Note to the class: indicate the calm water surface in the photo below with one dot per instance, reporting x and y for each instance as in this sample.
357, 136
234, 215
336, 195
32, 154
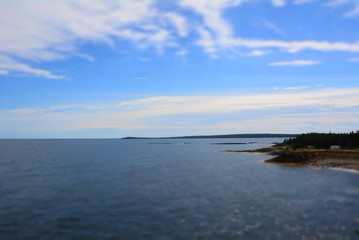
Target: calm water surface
167, 189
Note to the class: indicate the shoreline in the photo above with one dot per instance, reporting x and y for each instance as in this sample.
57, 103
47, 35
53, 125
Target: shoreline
316, 158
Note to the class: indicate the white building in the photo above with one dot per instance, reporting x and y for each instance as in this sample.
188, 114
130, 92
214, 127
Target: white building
335, 147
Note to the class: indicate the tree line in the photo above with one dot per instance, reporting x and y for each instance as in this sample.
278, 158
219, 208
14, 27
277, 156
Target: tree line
325, 140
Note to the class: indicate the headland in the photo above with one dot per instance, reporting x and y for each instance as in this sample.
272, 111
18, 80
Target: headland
317, 158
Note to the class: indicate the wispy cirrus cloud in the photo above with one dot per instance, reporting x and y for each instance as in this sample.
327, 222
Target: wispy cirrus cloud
342, 121
216, 34
179, 22
279, 3
354, 12
353, 4
64, 23
258, 53
190, 111
297, 46
295, 63
293, 88
68, 24
215, 31
10, 65
41, 31
274, 27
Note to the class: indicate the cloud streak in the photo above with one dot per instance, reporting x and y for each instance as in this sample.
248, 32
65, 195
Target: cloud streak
174, 112
39, 31
9, 65
354, 4
279, 3
216, 35
295, 63
296, 46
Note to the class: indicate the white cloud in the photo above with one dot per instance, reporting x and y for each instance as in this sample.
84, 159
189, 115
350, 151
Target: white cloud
283, 123
354, 4
179, 22
294, 88
274, 28
354, 12
37, 31
204, 6
155, 112
295, 63
296, 46
258, 53
64, 22
336, 3
207, 42
279, 3
3, 72
216, 34
219, 31
9, 65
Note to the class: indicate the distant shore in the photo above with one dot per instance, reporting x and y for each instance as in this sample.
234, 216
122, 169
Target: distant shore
251, 135
317, 158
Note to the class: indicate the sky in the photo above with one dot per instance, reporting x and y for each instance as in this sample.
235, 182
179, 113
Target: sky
151, 68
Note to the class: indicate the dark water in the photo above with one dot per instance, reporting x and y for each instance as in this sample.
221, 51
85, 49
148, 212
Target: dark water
167, 189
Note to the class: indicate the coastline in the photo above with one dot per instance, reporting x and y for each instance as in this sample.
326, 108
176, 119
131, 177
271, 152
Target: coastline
316, 158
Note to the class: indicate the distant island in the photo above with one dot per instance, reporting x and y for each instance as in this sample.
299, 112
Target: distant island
259, 135
320, 150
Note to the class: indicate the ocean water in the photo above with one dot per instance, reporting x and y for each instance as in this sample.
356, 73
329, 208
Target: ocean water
168, 189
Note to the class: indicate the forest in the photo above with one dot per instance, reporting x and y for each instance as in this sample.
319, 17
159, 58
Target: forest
325, 140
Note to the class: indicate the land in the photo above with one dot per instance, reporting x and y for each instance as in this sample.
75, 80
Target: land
260, 135
309, 149
317, 158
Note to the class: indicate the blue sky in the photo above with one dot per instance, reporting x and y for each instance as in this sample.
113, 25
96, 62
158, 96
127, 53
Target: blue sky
91, 68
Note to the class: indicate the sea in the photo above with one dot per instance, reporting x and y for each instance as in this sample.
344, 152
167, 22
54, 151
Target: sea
168, 189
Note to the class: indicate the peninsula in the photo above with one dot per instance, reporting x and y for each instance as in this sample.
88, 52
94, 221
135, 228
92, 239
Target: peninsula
319, 150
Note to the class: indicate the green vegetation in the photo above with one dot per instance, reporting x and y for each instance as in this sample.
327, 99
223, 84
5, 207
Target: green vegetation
325, 140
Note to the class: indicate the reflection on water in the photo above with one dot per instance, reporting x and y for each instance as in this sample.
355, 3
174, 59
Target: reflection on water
176, 189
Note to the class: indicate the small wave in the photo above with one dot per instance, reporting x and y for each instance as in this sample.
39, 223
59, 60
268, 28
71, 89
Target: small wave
344, 170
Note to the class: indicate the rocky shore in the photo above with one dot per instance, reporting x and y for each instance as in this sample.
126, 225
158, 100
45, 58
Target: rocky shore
318, 158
